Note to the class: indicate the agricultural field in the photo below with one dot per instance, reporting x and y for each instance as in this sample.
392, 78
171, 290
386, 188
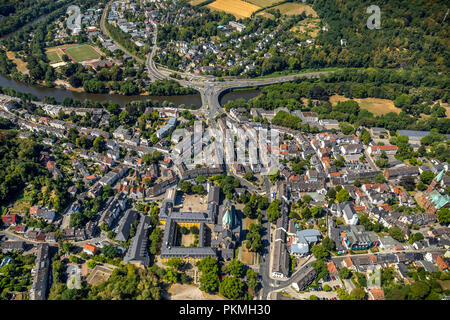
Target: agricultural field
196, 2
238, 8
82, 53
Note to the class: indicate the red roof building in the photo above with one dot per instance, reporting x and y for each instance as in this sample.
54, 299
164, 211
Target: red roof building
9, 219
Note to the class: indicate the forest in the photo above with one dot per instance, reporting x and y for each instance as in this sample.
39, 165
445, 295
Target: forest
19, 165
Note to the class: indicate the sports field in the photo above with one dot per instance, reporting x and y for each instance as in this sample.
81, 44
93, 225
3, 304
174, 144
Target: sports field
238, 8
81, 53
54, 57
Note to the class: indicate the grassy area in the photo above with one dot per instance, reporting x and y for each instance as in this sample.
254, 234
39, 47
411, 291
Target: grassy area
295, 9
289, 72
53, 57
238, 8
307, 29
20, 64
264, 3
374, 105
82, 53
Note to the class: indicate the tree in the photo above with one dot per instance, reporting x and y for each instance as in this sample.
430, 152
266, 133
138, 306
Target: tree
74, 259
155, 238
408, 183
331, 194
316, 211
91, 264
209, 280
110, 251
419, 290
252, 279
194, 230
327, 288
273, 212
346, 128
235, 268
397, 234
402, 101
171, 276
362, 280
99, 144
319, 252
175, 263
328, 244
379, 178
344, 273
343, 195
426, 177
231, 287
444, 215
358, 294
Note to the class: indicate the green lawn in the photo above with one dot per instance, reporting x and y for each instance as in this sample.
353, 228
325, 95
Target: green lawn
82, 53
53, 57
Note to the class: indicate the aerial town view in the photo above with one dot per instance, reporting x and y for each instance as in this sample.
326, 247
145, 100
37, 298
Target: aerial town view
224, 150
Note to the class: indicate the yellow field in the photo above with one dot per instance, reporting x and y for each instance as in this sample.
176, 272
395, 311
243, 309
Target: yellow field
196, 2
295, 9
238, 8
376, 106
266, 15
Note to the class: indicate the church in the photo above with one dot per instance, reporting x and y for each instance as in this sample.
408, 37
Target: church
432, 199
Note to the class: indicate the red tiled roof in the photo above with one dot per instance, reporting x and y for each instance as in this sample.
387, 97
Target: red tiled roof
89, 247
335, 174
376, 293
384, 148
10, 218
348, 261
331, 267
34, 209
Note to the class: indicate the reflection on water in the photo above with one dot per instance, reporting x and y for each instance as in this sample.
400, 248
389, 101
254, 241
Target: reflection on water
59, 94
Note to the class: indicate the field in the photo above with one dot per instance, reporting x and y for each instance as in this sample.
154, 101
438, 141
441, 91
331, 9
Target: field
376, 106
99, 275
20, 64
196, 2
238, 8
54, 57
307, 29
81, 53
295, 9
264, 3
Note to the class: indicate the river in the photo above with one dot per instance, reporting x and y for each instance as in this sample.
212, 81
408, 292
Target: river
59, 94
